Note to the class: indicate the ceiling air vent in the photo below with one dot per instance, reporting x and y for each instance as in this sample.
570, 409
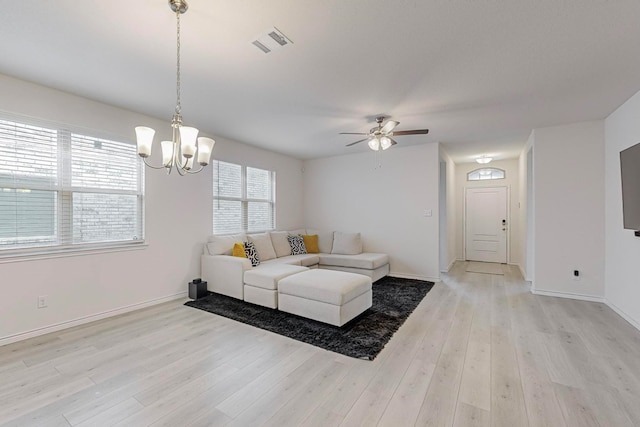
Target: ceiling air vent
272, 39
260, 46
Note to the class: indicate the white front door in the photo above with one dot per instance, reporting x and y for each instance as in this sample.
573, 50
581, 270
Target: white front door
486, 224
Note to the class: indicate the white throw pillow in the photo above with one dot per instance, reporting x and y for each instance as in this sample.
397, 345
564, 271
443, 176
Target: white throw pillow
346, 243
280, 243
325, 240
263, 245
222, 245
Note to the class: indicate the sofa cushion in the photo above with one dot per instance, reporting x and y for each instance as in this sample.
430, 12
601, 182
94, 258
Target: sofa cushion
366, 261
252, 254
238, 250
262, 242
297, 245
306, 260
328, 286
280, 243
346, 243
311, 243
223, 245
267, 276
325, 240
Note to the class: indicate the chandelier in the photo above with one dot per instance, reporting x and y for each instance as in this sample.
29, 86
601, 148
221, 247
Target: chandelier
180, 152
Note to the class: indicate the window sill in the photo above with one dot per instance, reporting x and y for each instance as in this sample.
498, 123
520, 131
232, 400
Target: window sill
48, 253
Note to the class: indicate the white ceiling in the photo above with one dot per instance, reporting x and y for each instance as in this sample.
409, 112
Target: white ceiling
479, 74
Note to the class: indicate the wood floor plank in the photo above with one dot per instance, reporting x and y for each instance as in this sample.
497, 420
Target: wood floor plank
475, 386
507, 400
471, 416
440, 401
575, 407
405, 402
540, 400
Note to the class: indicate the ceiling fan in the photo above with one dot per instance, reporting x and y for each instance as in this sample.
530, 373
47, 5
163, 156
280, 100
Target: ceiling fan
380, 137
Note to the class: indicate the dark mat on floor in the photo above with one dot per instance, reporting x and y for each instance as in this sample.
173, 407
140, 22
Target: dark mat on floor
394, 299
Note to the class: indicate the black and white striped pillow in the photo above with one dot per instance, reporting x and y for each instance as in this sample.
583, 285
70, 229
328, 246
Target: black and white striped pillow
297, 245
252, 254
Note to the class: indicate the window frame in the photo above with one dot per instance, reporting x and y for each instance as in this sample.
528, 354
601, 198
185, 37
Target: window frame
490, 175
244, 199
61, 242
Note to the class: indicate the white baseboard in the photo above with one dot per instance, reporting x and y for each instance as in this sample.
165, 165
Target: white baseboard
581, 297
414, 276
87, 319
622, 314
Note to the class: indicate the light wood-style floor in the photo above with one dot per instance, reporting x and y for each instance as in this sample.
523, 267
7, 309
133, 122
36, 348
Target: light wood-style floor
479, 350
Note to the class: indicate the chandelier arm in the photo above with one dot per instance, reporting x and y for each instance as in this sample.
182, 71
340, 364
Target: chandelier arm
192, 172
151, 166
181, 170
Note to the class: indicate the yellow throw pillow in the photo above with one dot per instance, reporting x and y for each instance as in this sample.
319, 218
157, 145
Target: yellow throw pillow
311, 243
238, 250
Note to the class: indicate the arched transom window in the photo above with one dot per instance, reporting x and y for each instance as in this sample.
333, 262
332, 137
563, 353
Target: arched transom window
485, 173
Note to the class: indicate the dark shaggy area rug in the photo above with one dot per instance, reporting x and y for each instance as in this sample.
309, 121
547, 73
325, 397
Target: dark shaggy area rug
394, 299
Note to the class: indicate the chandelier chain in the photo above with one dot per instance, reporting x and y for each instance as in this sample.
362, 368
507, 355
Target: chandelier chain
178, 105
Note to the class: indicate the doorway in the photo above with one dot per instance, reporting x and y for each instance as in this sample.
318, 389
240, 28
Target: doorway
486, 224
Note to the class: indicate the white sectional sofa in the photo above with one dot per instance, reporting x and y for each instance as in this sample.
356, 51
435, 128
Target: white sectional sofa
225, 274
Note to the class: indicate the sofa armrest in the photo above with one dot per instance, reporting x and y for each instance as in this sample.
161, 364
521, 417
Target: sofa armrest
225, 274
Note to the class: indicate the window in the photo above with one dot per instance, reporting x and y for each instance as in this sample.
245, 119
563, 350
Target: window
63, 190
485, 173
243, 198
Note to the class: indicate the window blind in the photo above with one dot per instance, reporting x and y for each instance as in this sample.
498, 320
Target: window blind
60, 189
243, 198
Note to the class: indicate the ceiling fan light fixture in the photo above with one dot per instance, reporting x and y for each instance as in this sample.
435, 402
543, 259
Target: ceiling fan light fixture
385, 142
374, 144
483, 160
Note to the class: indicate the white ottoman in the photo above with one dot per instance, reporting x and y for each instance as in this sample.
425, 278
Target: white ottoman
261, 284
329, 296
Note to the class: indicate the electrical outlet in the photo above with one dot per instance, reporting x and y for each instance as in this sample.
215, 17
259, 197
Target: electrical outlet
576, 274
42, 301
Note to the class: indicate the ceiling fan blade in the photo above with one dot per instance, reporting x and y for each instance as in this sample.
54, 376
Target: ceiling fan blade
354, 143
393, 141
389, 126
411, 132
354, 133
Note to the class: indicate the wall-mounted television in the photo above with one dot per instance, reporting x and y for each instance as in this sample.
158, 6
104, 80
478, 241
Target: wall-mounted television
630, 170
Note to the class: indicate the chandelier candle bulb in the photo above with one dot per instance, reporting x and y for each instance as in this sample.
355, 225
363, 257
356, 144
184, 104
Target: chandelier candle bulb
167, 152
144, 136
205, 147
188, 138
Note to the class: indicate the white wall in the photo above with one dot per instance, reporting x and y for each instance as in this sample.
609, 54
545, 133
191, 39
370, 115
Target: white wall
386, 205
524, 243
452, 232
511, 181
569, 210
622, 248
178, 220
